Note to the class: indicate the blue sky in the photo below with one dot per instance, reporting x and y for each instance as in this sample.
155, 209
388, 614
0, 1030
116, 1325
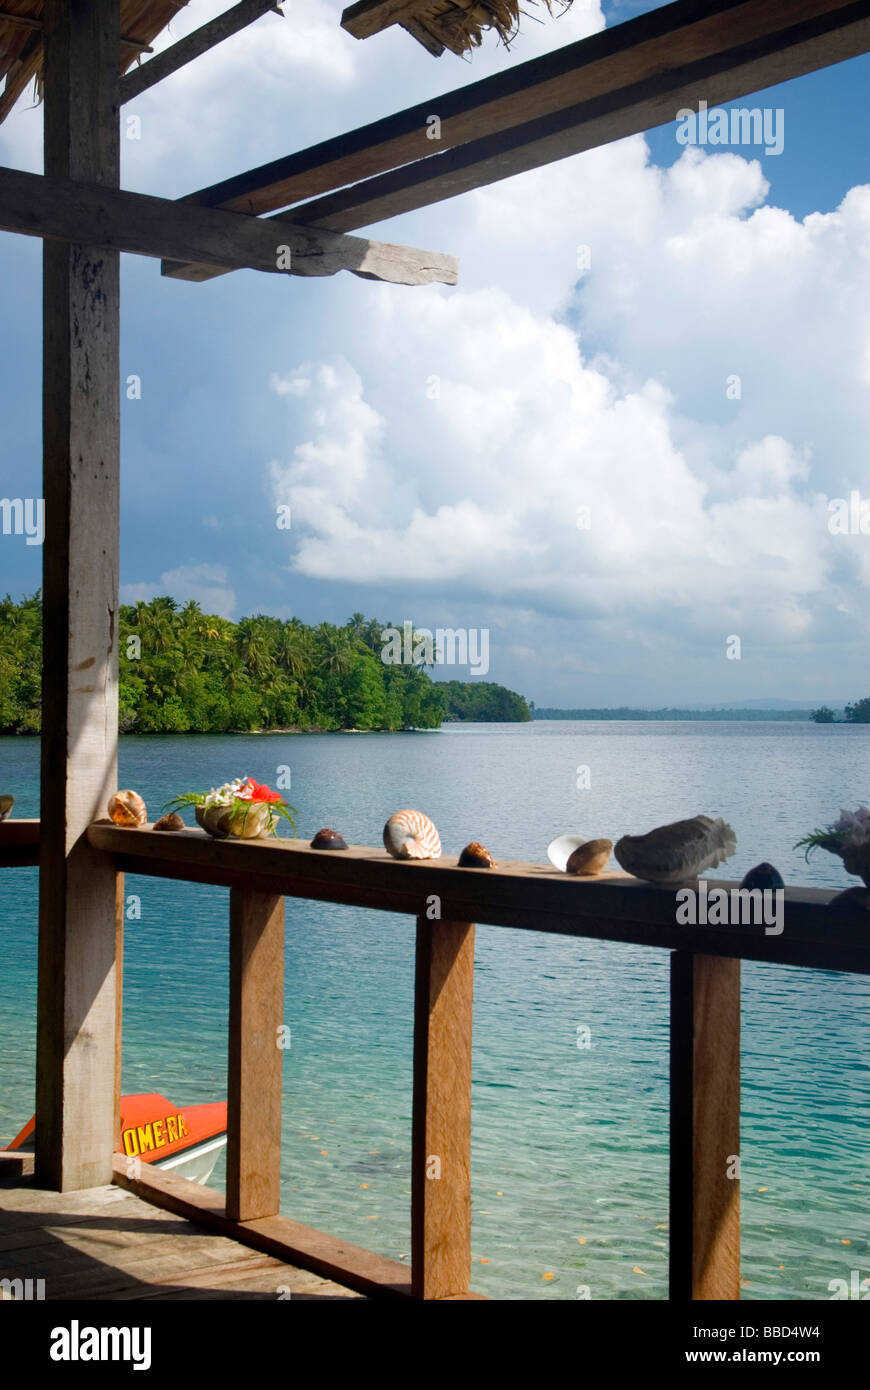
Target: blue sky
560, 386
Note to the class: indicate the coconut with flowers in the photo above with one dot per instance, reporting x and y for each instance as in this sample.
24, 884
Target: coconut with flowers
242, 809
849, 837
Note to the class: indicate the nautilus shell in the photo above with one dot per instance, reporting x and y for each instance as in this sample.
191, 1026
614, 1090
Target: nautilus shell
127, 809
328, 839
678, 852
476, 856
589, 859
171, 822
411, 835
6, 804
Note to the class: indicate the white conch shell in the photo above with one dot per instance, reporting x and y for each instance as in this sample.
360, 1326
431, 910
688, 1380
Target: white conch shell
411, 835
559, 851
677, 852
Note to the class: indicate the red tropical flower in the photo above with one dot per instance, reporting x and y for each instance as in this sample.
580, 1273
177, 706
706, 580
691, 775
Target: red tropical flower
254, 792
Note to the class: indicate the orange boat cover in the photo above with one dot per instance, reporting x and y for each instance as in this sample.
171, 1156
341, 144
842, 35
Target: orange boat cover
152, 1128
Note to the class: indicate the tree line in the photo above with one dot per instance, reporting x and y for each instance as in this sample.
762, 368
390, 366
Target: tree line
185, 671
859, 713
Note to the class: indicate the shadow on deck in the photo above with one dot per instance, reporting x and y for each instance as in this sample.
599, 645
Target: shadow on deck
105, 1243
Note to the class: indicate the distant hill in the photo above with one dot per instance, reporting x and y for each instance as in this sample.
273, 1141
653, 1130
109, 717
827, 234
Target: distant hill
700, 715
766, 704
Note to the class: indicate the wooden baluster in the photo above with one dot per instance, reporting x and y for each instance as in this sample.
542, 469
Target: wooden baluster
255, 1057
705, 1127
441, 1146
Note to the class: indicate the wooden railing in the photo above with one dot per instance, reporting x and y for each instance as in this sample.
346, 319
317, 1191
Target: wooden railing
446, 901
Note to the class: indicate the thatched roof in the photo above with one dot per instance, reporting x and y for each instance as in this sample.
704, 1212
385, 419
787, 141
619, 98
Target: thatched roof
457, 25
460, 24
21, 39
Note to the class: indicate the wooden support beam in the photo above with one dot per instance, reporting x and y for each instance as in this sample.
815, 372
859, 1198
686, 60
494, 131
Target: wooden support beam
441, 1143
368, 17
255, 1058
19, 843
654, 101
24, 21
192, 46
58, 209
78, 902
621, 81
705, 1128
299, 1245
117, 1144
531, 897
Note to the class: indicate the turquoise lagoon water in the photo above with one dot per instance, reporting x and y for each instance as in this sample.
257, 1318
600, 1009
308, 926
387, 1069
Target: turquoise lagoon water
569, 1146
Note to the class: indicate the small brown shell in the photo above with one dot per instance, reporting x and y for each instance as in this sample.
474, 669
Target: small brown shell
476, 856
590, 858
170, 822
328, 839
127, 809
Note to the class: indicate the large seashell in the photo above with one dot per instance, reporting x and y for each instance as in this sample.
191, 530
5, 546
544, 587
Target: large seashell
590, 859
411, 835
6, 804
328, 839
677, 852
127, 809
559, 851
763, 876
476, 856
170, 822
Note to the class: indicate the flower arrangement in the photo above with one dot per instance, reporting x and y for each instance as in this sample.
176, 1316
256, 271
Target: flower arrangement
241, 808
849, 837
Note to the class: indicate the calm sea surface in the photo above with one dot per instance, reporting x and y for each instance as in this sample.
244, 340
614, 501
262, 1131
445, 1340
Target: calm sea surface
570, 1146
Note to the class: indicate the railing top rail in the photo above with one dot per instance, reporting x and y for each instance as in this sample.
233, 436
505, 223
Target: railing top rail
535, 897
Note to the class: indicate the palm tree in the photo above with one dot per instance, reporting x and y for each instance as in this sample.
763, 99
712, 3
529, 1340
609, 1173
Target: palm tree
255, 648
336, 652
294, 648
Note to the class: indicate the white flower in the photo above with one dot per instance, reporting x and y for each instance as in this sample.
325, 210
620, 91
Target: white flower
226, 794
853, 827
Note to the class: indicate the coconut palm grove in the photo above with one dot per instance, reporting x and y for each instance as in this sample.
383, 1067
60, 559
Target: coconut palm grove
186, 671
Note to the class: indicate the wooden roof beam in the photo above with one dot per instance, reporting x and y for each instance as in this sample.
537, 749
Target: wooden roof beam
608, 65
57, 209
192, 46
616, 83
368, 17
24, 21
727, 77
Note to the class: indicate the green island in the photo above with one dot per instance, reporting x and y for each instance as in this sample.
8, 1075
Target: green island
186, 671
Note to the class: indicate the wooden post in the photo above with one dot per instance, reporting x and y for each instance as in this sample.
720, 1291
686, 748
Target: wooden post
255, 1054
705, 1127
441, 1145
78, 917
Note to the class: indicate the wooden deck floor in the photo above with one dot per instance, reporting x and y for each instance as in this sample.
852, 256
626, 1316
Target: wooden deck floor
105, 1243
